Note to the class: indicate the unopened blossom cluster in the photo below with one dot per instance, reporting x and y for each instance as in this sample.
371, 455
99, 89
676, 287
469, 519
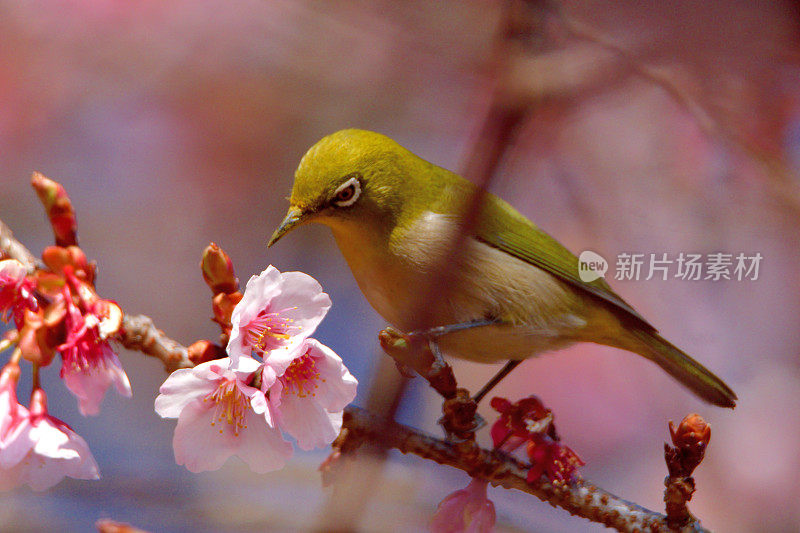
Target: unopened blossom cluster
54, 310
276, 380
528, 422
525, 422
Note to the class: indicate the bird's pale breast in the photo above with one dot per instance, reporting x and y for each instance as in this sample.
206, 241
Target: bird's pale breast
541, 312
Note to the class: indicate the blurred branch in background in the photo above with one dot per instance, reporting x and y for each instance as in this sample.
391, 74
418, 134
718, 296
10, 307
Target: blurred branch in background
782, 184
504, 116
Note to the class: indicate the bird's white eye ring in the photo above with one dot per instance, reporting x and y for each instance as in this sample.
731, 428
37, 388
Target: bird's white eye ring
347, 193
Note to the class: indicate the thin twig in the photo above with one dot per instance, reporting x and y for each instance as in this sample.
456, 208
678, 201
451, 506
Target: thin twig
13, 249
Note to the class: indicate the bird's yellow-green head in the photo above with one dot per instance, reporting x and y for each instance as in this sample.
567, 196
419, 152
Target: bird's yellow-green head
353, 177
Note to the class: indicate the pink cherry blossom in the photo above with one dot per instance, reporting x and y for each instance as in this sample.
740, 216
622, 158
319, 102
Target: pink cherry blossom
310, 392
219, 415
277, 310
468, 510
12, 414
16, 291
44, 451
89, 365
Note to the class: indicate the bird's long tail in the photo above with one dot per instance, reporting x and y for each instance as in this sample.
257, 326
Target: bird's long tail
683, 368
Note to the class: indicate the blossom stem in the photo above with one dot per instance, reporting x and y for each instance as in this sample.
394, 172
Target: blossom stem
6, 342
35, 377
16, 355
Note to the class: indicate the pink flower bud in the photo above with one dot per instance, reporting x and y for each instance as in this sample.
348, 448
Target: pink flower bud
465, 510
217, 270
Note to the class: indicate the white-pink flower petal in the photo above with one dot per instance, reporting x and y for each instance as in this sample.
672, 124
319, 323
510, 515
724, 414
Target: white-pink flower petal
182, 387
58, 452
337, 386
277, 310
14, 441
308, 422
220, 415
198, 444
89, 384
308, 398
468, 510
51, 451
264, 449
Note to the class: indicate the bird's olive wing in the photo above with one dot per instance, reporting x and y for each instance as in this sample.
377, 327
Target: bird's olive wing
517, 236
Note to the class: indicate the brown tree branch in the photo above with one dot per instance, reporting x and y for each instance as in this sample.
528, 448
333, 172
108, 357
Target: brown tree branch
580, 498
138, 333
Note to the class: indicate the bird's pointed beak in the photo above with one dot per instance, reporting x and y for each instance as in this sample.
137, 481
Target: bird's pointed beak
293, 218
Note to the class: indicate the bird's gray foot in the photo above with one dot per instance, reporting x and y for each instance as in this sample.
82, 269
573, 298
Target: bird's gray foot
506, 370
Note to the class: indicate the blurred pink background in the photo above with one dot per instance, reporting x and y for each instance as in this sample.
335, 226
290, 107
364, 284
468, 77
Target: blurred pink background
172, 124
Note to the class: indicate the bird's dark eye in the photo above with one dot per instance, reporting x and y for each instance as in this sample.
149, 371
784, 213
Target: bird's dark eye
347, 193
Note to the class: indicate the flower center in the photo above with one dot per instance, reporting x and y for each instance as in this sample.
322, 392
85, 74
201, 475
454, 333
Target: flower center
231, 405
302, 376
269, 330
84, 351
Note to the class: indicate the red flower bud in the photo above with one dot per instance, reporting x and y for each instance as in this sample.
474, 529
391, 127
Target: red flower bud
692, 432
59, 209
690, 440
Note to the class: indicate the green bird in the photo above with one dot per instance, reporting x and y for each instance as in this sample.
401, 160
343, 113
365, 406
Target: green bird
516, 291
